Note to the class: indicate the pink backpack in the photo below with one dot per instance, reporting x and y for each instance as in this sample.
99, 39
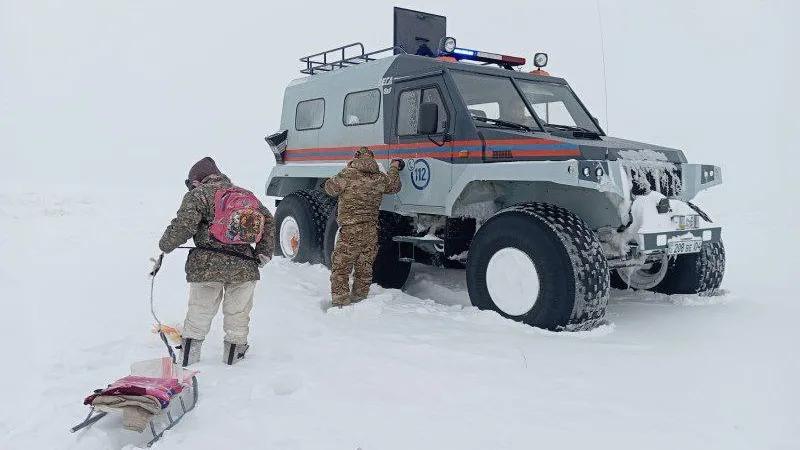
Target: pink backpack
237, 217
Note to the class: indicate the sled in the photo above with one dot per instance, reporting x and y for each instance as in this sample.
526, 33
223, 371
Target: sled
179, 404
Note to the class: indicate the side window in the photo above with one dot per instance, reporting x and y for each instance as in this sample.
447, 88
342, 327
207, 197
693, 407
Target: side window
361, 107
408, 110
431, 95
309, 114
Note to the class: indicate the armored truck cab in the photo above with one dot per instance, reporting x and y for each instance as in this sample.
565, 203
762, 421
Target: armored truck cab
507, 176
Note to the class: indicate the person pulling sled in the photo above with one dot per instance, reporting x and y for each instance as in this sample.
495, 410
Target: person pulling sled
224, 221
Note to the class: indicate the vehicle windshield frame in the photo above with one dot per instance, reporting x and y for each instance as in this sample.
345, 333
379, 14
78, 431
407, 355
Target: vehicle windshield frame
595, 126
536, 119
516, 79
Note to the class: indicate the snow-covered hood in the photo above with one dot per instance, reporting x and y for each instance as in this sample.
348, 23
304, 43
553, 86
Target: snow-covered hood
613, 149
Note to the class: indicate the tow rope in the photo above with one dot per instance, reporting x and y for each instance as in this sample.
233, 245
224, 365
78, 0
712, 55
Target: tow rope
156, 267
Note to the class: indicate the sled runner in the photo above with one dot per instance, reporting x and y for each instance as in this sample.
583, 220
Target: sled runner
160, 382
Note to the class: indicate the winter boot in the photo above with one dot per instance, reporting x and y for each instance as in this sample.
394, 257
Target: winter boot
190, 351
340, 300
355, 298
234, 353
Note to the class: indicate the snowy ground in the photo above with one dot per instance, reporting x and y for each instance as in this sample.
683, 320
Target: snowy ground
110, 96
420, 369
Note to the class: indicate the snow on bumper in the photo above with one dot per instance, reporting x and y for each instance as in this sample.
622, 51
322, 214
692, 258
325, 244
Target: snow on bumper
665, 229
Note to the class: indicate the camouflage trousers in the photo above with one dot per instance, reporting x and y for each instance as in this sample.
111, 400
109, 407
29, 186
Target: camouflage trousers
355, 252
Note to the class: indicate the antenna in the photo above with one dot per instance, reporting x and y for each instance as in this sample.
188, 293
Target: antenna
603, 57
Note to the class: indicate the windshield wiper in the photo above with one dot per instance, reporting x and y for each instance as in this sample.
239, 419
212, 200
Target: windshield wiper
503, 123
568, 128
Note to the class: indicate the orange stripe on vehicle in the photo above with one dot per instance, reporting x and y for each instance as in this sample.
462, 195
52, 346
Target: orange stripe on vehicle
535, 141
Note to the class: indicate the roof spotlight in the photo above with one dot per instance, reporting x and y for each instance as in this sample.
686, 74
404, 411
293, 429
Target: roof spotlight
447, 44
540, 60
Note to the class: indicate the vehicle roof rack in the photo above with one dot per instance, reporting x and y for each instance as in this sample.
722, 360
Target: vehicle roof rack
327, 61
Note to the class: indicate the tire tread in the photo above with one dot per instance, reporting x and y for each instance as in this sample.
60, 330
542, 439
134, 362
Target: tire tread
590, 268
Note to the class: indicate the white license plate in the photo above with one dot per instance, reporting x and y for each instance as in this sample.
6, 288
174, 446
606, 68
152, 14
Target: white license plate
681, 247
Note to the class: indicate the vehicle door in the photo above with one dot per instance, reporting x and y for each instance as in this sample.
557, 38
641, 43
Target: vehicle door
427, 176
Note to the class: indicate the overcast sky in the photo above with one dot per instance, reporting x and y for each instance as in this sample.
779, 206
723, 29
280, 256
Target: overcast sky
102, 93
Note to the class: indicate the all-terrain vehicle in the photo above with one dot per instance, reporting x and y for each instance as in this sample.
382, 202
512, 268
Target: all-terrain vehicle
507, 175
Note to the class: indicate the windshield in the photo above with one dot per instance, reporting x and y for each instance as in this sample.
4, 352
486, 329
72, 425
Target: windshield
555, 104
493, 100
491, 97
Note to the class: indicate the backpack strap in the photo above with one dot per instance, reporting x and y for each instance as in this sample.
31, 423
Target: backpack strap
224, 252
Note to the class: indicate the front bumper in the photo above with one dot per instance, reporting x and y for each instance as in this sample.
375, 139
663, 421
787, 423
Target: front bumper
659, 241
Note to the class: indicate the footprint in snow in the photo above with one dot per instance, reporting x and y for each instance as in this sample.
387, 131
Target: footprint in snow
286, 383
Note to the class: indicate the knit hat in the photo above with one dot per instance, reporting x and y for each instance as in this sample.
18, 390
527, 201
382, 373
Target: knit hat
202, 169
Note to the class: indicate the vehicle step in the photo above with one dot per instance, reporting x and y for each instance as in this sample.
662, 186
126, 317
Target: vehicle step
427, 240
408, 244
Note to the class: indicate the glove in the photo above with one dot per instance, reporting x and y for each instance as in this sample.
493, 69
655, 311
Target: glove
156, 264
263, 260
400, 163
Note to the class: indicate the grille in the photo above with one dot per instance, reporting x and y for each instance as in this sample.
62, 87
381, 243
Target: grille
665, 179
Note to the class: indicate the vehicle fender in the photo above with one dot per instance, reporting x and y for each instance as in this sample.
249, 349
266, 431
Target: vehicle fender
565, 173
285, 179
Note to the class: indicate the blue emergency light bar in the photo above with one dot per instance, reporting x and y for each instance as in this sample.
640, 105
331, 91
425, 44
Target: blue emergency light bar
447, 47
477, 55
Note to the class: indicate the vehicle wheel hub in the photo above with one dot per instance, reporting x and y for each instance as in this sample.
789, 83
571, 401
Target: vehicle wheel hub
289, 237
647, 276
512, 281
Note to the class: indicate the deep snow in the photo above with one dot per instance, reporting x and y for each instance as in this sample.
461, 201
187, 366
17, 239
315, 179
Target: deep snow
420, 369
103, 106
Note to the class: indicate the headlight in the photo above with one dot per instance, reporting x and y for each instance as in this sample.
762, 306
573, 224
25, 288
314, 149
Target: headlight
586, 172
708, 174
690, 222
693, 222
599, 172
540, 59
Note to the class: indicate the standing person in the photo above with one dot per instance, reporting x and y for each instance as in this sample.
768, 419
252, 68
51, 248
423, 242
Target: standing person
360, 187
223, 220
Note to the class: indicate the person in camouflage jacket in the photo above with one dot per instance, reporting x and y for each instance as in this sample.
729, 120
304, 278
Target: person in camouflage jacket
215, 277
360, 188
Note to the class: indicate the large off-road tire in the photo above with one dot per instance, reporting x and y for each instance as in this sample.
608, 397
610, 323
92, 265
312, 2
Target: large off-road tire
330, 237
539, 264
300, 225
695, 273
388, 271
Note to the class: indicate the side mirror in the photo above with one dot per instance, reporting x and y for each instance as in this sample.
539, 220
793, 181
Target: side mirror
428, 118
277, 141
